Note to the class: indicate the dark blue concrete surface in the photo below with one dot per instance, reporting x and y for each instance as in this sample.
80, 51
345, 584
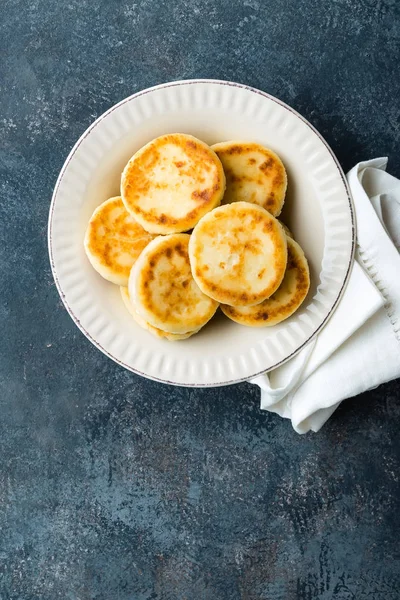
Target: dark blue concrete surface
117, 488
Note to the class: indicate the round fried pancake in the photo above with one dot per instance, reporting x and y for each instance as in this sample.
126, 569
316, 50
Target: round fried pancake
238, 254
253, 174
285, 301
172, 182
172, 337
163, 290
114, 240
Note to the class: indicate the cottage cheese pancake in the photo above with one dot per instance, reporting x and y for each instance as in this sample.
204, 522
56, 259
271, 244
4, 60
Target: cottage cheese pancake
253, 174
172, 337
172, 182
285, 301
114, 240
238, 254
162, 288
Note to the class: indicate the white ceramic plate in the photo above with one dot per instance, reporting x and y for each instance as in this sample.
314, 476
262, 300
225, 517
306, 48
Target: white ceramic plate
318, 210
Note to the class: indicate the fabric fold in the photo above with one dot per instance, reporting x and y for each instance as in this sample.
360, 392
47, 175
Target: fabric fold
359, 347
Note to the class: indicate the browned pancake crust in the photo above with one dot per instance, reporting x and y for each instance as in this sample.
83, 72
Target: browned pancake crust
109, 238
159, 333
173, 288
266, 313
267, 171
250, 216
137, 183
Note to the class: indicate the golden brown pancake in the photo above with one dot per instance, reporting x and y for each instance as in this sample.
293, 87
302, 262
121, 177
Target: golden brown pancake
171, 337
163, 290
172, 182
285, 301
253, 174
238, 254
114, 240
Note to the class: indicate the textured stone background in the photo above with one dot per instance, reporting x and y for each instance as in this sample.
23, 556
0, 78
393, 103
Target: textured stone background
117, 488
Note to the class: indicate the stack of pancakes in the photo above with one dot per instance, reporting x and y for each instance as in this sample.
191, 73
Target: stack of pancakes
195, 228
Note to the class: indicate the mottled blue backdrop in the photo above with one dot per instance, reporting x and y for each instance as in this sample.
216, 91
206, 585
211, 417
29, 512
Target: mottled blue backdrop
116, 488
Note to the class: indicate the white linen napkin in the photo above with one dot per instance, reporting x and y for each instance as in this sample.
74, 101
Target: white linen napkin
359, 348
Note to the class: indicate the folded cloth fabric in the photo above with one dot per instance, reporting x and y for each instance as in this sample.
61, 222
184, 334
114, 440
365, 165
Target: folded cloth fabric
359, 348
